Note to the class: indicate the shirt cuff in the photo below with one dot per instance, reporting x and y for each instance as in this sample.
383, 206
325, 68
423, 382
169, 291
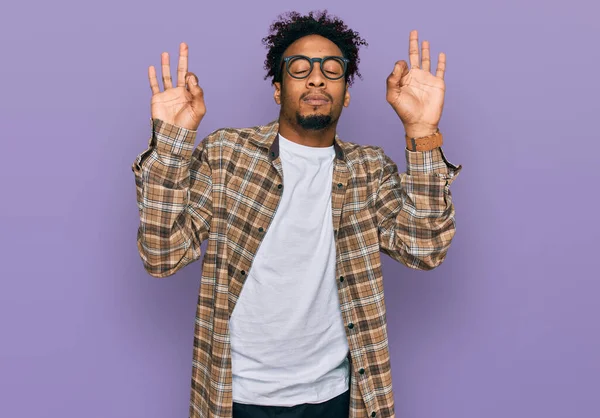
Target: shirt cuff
431, 162
173, 140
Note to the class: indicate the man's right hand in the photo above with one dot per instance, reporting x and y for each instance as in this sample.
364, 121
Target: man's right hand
182, 106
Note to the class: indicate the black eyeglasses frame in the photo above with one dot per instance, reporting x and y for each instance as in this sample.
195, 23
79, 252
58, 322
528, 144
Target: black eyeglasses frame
287, 60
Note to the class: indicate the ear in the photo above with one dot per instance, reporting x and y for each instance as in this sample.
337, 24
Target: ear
347, 97
277, 93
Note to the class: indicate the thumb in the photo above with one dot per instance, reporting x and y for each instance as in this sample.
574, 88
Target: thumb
400, 70
192, 82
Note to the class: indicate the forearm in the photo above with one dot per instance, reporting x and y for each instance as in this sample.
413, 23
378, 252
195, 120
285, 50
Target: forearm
165, 239
426, 225
418, 222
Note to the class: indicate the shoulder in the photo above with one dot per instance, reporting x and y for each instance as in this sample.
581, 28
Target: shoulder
372, 156
230, 136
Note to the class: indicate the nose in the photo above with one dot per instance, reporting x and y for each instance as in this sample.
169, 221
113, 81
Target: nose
316, 77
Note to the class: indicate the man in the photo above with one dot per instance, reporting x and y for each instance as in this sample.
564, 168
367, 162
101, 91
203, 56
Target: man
291, 316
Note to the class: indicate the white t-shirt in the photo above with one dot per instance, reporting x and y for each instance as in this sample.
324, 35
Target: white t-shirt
288, 342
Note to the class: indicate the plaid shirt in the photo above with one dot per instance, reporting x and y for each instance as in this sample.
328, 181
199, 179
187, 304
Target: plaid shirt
227, 190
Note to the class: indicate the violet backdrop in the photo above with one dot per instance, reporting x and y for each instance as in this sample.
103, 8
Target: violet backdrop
506, 326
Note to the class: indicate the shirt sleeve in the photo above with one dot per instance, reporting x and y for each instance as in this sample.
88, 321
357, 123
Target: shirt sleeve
174, 197
415, 212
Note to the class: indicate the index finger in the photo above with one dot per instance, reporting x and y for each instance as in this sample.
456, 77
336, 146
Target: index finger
182, 67
413, 49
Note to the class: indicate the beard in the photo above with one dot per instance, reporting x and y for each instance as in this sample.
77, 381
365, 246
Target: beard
314, 122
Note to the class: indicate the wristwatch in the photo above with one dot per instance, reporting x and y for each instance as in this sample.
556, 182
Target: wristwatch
425, 143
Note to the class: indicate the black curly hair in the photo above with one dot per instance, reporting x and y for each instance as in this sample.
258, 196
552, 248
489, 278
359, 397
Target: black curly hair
292, 26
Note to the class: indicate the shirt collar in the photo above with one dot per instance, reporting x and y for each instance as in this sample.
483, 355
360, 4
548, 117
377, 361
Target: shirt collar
267, 137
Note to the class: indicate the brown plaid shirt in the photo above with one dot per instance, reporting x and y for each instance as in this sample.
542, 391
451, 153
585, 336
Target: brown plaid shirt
227, 190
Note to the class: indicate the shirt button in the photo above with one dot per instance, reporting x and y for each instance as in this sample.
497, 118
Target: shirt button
350, 325
340, 185
260, 229
341, 278
279, 186
373, 413
361, 371
243, 272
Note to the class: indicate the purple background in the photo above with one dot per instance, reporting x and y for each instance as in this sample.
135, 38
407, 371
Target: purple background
506, 327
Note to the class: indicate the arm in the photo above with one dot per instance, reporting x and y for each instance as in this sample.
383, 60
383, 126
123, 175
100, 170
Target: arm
415, 213
174, 197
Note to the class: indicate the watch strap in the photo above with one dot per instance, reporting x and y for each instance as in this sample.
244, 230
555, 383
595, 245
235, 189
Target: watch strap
425, 143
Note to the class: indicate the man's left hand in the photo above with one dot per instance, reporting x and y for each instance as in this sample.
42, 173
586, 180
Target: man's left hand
417, 95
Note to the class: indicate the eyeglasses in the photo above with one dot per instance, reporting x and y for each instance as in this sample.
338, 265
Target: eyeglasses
300, 66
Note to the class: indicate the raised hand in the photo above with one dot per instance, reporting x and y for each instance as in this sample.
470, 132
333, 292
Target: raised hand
182, 105
417, 95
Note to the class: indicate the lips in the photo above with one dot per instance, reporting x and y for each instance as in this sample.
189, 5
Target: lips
316, 99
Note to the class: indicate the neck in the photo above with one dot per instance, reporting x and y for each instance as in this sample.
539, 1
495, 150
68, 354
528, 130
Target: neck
308, 137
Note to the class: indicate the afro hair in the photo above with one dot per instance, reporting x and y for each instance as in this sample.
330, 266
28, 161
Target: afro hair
292, 26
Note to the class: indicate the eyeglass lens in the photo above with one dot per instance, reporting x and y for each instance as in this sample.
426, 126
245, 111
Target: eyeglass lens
331, 67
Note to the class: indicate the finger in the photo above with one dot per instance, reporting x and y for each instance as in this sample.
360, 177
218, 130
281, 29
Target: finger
441, 65
182, 67
166, 70
400, 70
153, 80
197, 94
189, 77
195, 89
413, 49
426, 60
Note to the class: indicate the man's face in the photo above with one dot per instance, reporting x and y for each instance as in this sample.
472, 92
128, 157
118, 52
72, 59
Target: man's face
294, 95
